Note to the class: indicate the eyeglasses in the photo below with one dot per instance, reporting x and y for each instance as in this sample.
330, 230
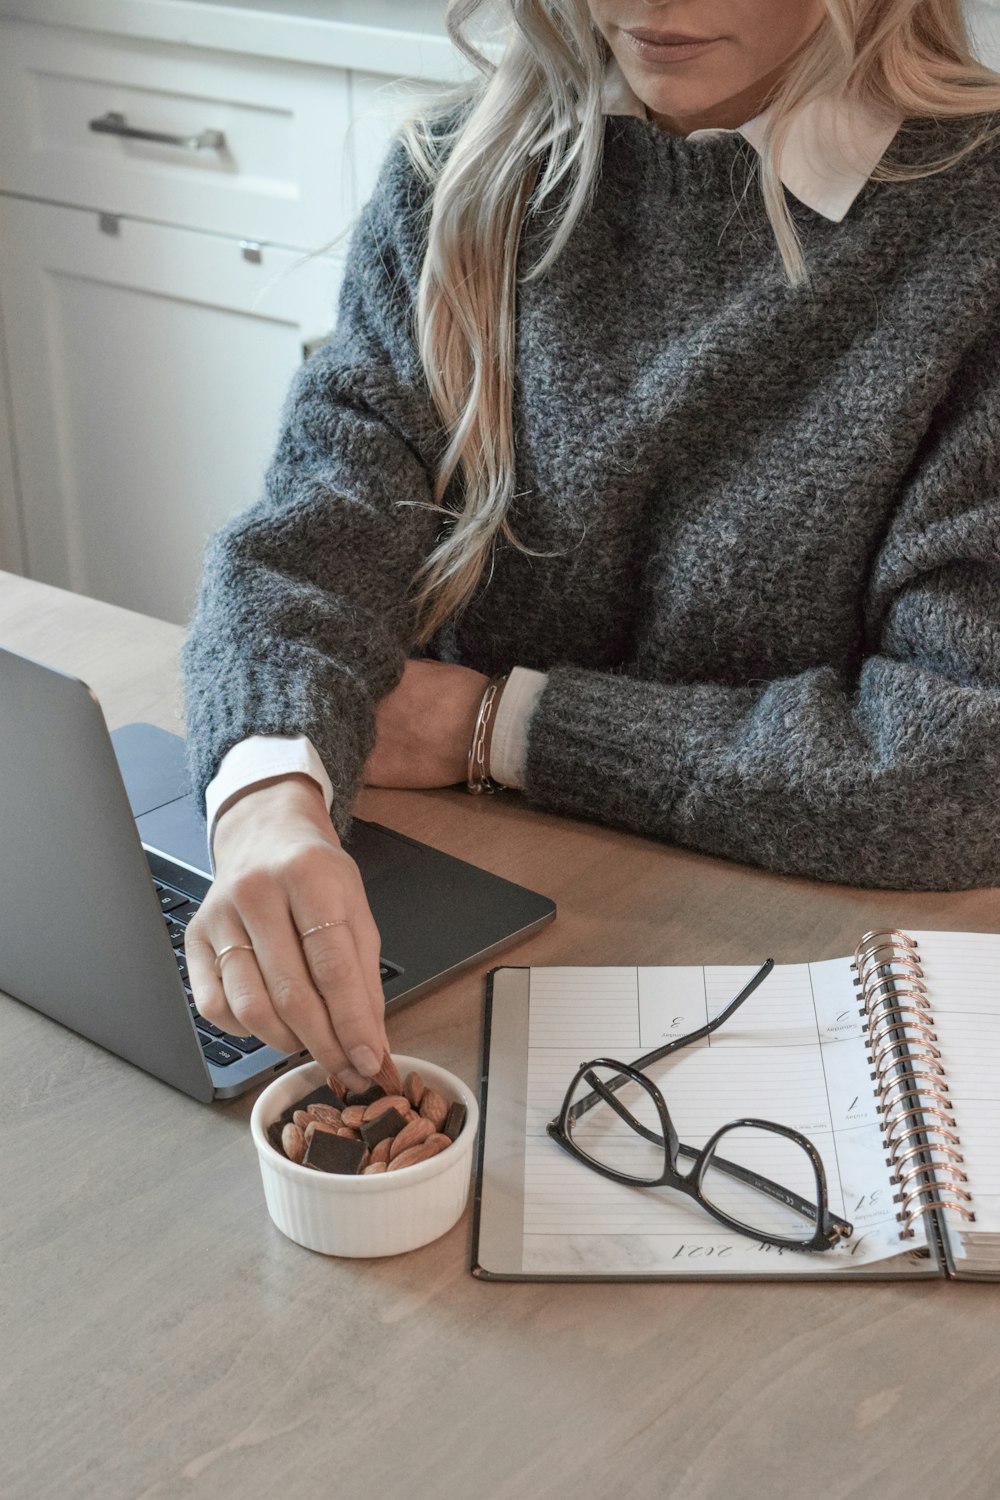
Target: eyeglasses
614, 1119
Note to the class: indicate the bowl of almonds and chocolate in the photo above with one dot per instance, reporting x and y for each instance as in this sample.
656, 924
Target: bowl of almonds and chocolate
371, 1173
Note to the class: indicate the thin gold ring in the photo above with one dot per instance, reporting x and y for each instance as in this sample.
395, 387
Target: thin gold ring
341, 922
232, 947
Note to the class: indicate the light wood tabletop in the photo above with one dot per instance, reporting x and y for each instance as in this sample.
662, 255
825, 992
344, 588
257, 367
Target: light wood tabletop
160, 1338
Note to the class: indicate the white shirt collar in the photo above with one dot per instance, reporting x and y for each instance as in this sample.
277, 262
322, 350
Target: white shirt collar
831, 150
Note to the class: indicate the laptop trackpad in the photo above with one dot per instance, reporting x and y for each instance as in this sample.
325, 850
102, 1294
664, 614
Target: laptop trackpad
152, 765
178, 830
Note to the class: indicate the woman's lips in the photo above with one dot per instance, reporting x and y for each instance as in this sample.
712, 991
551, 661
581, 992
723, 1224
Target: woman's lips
652, 51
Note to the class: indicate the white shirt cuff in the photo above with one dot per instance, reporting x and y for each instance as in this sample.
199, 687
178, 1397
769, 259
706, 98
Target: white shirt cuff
258, 759
509, 745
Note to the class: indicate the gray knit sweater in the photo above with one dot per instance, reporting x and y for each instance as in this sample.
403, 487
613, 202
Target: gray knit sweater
771, 613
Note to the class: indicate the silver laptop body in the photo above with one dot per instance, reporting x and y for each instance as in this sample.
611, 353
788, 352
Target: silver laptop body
93, 845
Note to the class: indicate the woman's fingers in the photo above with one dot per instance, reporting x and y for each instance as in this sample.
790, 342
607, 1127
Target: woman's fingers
269, 993
338, 975
209, 994
297, 1002
285, 887
370, 952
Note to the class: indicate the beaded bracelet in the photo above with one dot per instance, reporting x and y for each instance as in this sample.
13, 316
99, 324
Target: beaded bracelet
478, 778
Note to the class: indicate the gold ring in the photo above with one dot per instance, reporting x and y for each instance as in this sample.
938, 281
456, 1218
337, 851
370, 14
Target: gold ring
320, 926
230, 949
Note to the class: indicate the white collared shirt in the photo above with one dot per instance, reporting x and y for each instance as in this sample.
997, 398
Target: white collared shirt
831, 151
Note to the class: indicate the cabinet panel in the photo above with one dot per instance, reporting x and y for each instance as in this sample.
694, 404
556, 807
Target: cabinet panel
148, 370
279, 170
11, 549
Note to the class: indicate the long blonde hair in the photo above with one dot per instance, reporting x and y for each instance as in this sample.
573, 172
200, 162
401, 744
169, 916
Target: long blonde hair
913, 56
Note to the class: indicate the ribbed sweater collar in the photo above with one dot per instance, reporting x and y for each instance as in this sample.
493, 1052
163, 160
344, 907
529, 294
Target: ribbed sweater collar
832, 148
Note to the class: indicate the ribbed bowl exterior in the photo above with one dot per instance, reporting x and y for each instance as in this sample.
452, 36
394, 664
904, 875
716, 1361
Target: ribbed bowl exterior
384, 1214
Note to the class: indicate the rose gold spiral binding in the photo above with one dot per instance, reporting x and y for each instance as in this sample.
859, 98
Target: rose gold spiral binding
891, 1121
910, 1089
904, 970
898, 1157
918, 1127
926, 1208
897, 990
933, 1169
887, 1019
885, 1062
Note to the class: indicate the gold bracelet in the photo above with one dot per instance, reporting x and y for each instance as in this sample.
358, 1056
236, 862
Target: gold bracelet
477, 777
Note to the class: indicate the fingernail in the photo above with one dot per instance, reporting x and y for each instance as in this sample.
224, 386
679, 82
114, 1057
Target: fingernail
365, 1061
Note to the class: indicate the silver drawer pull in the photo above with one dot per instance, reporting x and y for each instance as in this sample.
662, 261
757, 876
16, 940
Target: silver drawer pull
114, 124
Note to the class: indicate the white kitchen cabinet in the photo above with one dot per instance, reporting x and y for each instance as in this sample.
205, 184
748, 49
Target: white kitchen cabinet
259, 147
147, 370
156, 296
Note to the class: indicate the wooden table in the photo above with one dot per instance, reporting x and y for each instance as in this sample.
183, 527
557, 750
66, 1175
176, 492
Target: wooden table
160, 1338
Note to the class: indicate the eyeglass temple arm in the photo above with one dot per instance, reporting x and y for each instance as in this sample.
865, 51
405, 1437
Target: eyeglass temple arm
589, 1100
710, 1026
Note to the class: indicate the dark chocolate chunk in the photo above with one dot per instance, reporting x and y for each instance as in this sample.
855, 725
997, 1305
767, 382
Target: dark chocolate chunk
389, 1122
376, 1091
334, 1153
454, 1120
323, 1095
274, 1136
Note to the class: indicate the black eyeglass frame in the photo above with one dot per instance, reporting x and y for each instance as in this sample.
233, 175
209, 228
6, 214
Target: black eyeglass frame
830, 1229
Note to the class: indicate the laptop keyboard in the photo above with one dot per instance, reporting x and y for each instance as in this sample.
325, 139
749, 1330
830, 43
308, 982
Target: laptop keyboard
218, 1046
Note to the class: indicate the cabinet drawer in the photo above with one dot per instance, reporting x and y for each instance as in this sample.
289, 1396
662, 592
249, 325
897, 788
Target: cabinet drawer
263, 152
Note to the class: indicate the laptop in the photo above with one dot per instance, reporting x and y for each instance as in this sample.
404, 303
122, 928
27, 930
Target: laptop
104, 860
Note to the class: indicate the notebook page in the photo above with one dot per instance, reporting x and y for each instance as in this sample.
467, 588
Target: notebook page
962, 974
795, 1053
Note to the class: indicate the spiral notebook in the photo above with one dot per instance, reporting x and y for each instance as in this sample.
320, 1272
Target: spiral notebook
888, 1061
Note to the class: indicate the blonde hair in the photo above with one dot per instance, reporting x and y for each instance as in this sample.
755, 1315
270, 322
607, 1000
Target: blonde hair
913, 56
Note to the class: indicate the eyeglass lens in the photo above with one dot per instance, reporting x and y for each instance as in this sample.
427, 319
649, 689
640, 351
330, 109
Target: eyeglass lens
602, 1135
770, 1155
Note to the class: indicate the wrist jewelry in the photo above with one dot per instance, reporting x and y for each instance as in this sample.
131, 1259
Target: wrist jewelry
478, 778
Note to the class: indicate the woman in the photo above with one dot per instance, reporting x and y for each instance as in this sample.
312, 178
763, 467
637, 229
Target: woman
694, 457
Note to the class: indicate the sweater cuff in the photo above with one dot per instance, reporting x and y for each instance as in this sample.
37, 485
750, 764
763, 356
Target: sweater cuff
259, 758
509, 745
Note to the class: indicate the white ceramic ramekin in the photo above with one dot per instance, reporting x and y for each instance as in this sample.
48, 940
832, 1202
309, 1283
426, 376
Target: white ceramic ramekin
384, 1214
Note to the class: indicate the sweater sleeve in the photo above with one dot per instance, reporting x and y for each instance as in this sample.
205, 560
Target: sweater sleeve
887, 774
302, 621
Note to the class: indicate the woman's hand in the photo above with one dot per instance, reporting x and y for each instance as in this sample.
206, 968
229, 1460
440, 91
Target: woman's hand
280, 870
424, 725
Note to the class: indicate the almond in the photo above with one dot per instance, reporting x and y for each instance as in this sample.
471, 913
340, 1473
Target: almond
439, 1142
293, 1142
388, 1101
315, 1125
324, 1112
381, 1149
413, 1134
433, 1107
336, 1089
301, 1118
413, 1088
352, 1116
373, 1168
388, 1076
412, 1157
352, 1135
